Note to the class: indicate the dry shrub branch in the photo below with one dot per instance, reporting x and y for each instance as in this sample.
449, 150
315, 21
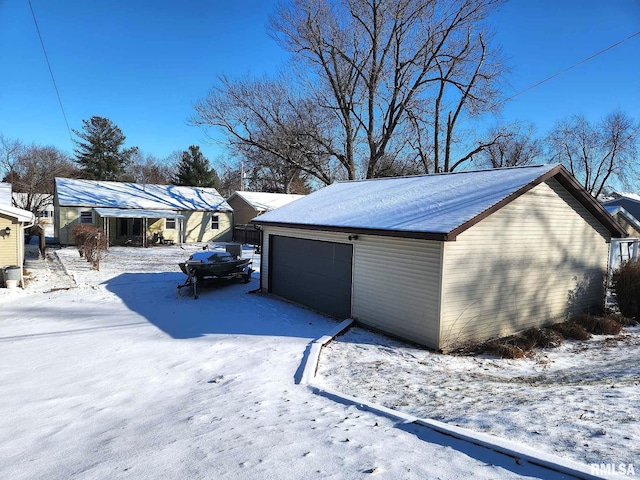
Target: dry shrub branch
91, 242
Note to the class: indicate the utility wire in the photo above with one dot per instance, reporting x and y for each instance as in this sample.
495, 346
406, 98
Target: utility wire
569, 68
55, 86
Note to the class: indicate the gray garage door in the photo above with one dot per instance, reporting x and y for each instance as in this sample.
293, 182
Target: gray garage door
312, 273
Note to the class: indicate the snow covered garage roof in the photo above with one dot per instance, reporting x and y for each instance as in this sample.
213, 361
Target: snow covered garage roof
437, 207
265, 202
91, 193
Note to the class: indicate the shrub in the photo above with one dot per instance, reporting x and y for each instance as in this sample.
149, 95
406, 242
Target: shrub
598, 325
571, 330
626, 285
91, 242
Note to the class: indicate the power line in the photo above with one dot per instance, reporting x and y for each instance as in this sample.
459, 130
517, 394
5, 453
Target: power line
55, 86
569, 68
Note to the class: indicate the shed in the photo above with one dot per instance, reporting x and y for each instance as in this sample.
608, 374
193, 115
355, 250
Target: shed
248, 205
133, 212
443, 259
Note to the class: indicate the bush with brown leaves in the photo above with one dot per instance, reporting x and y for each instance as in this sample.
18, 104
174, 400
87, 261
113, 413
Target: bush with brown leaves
91, 242
626, 285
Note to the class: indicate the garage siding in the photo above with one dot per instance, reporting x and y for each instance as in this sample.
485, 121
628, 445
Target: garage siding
396, 286
534, 261
396, 282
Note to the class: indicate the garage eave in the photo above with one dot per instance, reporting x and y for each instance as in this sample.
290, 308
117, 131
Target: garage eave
437, 236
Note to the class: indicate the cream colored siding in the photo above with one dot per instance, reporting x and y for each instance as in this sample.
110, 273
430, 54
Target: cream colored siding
242, 211
396, 285
197, 227
9, 246
536, 260
628, 227
68, 218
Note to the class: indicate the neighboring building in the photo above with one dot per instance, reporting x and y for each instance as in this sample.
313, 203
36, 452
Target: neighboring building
135, 213
443, 259
13, 222
248, 205
43, 201
627, 221
629, 201
5, 193
623, 249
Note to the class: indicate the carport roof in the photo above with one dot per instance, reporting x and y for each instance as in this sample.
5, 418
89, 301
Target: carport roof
437, 207
136, 213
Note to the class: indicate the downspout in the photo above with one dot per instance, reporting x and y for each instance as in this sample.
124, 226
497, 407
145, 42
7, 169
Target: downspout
259, 289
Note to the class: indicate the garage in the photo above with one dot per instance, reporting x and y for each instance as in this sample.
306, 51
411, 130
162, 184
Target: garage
313, 273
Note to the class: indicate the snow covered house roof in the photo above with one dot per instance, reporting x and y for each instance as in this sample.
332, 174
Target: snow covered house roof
265, 202
91, 193
438, 206
623, 195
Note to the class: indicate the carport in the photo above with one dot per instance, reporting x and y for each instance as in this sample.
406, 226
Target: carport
144, 216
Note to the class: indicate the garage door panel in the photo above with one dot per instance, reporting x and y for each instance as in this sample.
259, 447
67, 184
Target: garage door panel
314, 273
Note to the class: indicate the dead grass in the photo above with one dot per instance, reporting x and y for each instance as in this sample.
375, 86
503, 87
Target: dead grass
503, 350
580, 327
571, 330
622, 320
598, 325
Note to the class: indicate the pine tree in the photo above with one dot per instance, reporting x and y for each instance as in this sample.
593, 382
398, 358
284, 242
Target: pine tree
194, 170
101, 154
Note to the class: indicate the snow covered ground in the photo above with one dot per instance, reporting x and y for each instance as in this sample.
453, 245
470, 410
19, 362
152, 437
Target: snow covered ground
580, 401
109, 375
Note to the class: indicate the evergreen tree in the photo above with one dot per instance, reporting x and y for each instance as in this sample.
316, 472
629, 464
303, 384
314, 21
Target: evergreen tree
100, 151
194, 170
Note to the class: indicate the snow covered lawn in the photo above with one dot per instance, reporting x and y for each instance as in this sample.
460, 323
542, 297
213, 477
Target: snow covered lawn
580, 401
118, 378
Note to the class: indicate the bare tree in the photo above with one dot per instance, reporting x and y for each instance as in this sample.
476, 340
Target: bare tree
368, 73
33, 174
266, 115
597, 154
10, 151
149, 169
515, 145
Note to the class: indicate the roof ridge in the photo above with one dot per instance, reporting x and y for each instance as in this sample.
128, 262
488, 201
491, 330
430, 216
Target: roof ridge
460, 172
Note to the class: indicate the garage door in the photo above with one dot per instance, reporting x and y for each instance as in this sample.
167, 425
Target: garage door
312, 273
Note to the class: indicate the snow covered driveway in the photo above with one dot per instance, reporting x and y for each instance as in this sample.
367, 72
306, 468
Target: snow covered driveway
118, 378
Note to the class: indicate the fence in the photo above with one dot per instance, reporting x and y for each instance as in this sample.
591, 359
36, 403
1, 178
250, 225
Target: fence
246, 234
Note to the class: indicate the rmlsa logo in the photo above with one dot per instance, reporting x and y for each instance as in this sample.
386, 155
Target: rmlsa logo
613, 469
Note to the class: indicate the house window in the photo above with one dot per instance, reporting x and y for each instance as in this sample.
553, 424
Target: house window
86, 216
215, 222
170, 224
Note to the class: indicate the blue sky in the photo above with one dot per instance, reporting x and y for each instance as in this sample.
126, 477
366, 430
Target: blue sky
143, 64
